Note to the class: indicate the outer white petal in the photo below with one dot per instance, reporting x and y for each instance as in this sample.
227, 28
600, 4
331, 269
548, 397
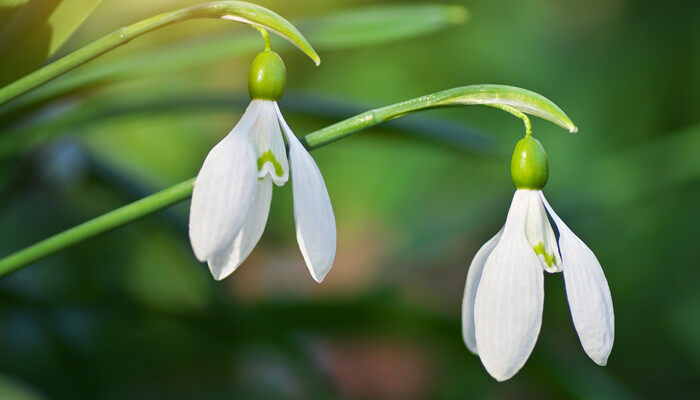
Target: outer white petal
588, 293
473, 278
509, 299
223, 190
226, 261
541, 235
315, 222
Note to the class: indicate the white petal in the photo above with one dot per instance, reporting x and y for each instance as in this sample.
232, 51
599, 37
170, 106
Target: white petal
315, 222
540, 234
266, 136
226, 261
473, 278
509, 299
223, 190
588, 293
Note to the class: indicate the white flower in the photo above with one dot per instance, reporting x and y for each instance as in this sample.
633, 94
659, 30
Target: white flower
504, 293
232, 193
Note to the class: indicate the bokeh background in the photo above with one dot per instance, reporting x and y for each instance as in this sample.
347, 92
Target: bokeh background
132, 314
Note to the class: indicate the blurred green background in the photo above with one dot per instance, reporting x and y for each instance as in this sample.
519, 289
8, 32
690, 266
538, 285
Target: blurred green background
132, 314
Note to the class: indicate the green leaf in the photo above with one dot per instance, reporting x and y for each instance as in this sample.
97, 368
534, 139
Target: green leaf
381, 24
32, 30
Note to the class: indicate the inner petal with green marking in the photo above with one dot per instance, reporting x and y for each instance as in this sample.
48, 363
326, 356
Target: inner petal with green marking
549, 258
540, 234
267, 162
266, 136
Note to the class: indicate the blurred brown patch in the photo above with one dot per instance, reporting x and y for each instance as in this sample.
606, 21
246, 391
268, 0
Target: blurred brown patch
377, 368
271, 272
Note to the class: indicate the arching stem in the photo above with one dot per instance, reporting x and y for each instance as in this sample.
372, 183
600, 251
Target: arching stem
521, 115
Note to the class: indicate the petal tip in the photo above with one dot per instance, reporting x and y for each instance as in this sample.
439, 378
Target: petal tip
600, 359
218, 277
472, 349
217, 273
553, 270
501, 375
318, 276
202, 251
198, 252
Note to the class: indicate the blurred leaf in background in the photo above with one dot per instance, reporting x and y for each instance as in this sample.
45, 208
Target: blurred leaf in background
32, 30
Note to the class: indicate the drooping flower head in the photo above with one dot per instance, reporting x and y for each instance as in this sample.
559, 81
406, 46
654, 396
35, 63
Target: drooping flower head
504, 292
232, 192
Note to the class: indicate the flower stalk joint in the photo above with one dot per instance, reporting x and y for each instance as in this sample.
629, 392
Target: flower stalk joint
528, 167
268, 77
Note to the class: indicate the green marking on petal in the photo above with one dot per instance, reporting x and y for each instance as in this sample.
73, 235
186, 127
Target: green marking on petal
548, 257
269, 157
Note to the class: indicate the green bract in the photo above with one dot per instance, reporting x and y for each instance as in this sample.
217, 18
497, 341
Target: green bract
528, 167
267, 77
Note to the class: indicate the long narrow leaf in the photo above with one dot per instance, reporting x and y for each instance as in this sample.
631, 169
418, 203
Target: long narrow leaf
384, 23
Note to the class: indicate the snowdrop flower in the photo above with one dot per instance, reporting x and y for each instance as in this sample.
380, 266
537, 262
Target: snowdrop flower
232, 192
504, 293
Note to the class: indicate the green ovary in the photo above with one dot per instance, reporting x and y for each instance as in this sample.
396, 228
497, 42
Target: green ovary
269, 157
548, 257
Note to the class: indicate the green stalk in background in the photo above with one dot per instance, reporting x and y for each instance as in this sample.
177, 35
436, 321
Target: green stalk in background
510, 99
233, 10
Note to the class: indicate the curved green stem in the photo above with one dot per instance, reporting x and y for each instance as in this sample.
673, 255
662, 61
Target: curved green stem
515, 100
511, 110
232, 10
266, 38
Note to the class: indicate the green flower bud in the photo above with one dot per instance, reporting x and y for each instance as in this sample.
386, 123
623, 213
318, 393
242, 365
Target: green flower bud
267, 76
528, 167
